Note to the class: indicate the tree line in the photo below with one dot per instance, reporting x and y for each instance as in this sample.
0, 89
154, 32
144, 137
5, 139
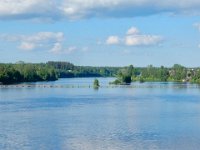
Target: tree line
15, 73
177, 73
52, 70
68, 70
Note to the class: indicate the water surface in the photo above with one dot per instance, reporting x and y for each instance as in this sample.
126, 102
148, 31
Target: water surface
154, 116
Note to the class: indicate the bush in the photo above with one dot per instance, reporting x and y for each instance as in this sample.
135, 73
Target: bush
96, 83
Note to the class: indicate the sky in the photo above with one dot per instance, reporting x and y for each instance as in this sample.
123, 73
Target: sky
101, 32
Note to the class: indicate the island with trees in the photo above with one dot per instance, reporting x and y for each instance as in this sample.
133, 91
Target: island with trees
52, 70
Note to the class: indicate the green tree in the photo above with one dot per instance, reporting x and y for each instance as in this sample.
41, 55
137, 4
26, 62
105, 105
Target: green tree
96, 83
164, 74
178, 72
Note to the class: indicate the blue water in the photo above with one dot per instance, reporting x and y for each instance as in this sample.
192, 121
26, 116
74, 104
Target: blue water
147, 116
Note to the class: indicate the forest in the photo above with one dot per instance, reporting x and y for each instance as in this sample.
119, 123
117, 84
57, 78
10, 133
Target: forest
176, 73
15, 73
52, 70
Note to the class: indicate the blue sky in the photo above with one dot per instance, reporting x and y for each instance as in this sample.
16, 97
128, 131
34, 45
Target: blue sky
101, 32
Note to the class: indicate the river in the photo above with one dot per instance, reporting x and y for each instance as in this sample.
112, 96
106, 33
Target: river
69, 114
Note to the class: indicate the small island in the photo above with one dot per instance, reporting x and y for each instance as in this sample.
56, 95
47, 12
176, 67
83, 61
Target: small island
96, 84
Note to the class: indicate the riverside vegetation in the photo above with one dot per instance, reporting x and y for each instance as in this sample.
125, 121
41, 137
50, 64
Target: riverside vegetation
177, 73
50, 71
96, 84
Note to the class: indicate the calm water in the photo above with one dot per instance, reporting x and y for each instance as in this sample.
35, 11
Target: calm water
146, 116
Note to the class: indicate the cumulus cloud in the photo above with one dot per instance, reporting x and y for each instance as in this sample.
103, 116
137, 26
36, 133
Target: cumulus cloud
139, 40
76, 9
52, 42
28, 9
57, 48
134, 37
44, 37
112, 40
126, 8
132, 30
27, 46
40, 40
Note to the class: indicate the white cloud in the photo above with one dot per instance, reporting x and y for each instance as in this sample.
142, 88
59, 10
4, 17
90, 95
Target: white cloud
112, 40
126, 8
45, 36
132, 30
44, 40
57, 48
27, 46
28, 9
76, 9
142, 40
52, 42
40, 40
133, 37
